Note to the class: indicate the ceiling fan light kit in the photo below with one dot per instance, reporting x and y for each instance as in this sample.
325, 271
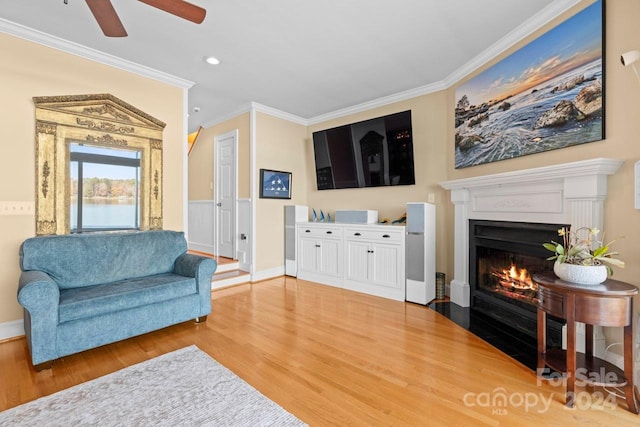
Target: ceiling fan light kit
109, 21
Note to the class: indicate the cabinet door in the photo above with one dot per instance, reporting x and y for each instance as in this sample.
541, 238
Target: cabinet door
330, 257
384, 261
357, 261
308, 255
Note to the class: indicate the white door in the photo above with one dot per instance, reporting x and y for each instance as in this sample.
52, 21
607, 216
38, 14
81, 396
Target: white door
226, 192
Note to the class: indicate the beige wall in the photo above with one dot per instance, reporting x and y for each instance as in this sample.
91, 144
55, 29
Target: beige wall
622, 109
27, 70
433, 134
201, 177
429, 122
280, 145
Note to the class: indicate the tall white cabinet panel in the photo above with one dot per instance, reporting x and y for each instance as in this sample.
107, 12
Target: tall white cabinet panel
421, 252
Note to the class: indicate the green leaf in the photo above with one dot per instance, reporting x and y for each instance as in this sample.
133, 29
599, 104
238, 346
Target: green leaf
549, 246
600, 251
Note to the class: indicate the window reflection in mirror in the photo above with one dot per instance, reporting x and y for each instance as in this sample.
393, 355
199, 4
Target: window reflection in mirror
105, 188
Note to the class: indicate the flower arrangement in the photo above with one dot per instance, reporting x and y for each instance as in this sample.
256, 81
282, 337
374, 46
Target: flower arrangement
580, 247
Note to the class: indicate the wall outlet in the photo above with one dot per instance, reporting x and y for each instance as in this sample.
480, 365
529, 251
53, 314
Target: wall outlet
17, 208
431, 198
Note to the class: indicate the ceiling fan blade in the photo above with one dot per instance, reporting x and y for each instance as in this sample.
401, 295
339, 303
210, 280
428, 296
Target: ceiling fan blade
107, 18
180, 8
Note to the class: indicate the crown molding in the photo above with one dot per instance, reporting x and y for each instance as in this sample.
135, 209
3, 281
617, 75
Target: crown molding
536, 22
380, 102
26, 33
531, 25
279, 113
231, 115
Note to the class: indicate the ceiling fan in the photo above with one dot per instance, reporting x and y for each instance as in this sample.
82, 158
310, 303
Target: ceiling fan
111, 25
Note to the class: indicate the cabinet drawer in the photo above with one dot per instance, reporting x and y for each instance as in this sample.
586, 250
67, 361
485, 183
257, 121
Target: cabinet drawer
551, 302
310, 231
378, 235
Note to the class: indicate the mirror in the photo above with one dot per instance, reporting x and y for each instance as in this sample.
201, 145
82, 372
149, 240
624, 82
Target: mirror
84, 133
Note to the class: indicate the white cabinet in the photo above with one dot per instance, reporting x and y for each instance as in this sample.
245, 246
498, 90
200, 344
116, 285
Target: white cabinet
363, 258
375, 261
320, 253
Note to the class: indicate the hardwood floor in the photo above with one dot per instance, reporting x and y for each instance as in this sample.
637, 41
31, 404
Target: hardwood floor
334, 357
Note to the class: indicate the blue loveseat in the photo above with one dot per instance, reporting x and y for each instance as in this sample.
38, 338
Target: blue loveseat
82, 291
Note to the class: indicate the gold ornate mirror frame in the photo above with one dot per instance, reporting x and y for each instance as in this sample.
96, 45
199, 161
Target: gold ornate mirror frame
100, 120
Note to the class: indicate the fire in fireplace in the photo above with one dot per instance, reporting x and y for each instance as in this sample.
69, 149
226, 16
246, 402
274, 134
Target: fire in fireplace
515, 282
503, 256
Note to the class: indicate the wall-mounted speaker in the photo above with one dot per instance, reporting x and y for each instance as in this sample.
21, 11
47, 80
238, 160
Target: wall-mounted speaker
292, 215
420, 252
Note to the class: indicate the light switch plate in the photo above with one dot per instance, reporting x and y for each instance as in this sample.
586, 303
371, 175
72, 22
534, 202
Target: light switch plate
17, 208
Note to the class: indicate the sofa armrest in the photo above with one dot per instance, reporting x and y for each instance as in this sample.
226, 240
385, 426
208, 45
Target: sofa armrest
40, 297
37, 292
197, 266
202, 269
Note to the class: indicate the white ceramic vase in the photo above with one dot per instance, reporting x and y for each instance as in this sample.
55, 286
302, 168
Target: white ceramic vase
581, 274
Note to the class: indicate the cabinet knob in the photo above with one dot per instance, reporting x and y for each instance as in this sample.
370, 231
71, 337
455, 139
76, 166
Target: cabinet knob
307, 231
386, 236
329, 232
357, 234
317, 246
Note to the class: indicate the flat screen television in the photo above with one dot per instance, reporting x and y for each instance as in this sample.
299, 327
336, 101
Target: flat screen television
371, 153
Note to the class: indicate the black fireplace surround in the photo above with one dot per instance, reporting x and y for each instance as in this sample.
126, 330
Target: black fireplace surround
503, 255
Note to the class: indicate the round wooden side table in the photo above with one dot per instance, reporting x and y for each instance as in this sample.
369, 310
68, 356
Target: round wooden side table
607, 304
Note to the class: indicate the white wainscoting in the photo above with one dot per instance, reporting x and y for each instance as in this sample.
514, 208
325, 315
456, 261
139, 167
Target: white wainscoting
202, 226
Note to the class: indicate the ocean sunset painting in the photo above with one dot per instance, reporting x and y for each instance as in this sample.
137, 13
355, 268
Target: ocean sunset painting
547, 95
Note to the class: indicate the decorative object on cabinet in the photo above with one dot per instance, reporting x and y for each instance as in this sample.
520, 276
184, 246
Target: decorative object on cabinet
275, 184
315, 216
524, 114
401, 220
321, 216
357, 216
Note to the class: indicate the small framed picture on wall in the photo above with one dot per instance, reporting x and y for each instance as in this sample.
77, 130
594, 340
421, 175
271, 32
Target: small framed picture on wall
275, 184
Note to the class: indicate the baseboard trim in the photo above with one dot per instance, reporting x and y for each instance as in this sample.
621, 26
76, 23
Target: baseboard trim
201, 247
11, 329
267, 274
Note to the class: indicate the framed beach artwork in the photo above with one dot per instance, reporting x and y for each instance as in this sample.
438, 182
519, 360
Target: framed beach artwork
547, 95
275, 184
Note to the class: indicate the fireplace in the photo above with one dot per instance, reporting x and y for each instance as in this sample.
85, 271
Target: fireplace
568, 193
503, 255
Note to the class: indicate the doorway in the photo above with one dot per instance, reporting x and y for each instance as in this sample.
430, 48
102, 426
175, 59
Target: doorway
225, 195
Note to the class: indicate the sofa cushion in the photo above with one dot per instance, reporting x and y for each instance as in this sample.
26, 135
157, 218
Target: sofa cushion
83, 302
76, 260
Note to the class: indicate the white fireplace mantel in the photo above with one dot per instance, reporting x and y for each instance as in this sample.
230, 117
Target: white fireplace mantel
568, 193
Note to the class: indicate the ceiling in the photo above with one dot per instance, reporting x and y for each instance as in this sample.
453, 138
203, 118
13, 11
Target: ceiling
310, 59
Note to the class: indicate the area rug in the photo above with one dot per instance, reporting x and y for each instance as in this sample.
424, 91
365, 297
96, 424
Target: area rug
182, 388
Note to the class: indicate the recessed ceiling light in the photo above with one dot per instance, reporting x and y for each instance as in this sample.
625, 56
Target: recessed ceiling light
211, 60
